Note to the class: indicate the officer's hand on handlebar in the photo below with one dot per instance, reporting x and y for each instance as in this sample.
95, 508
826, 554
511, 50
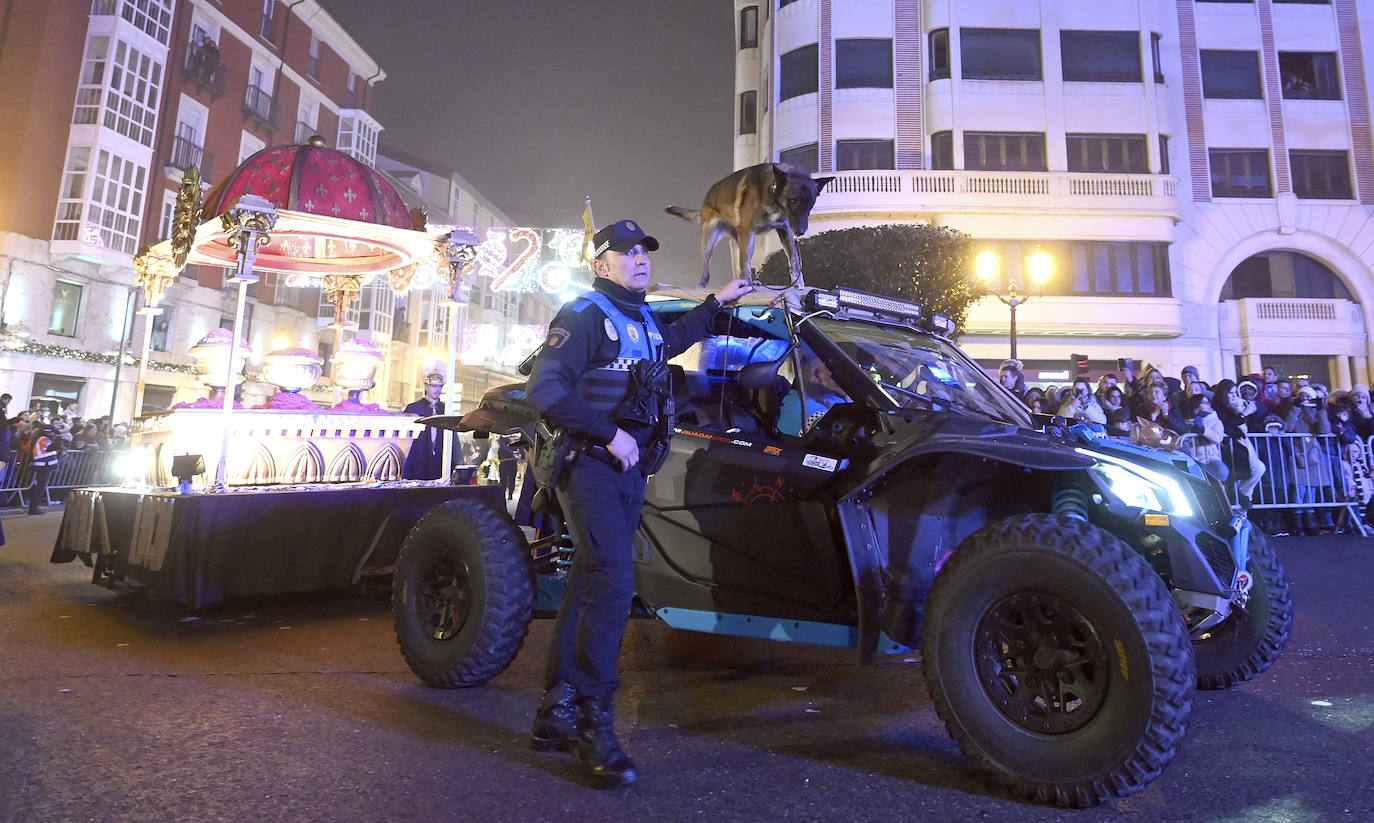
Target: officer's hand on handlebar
624, 448
734, 290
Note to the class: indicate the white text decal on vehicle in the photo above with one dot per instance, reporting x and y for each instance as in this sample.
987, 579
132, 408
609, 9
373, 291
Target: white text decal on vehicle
815, 461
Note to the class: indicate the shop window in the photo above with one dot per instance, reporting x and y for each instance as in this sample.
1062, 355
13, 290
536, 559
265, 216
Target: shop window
66, 306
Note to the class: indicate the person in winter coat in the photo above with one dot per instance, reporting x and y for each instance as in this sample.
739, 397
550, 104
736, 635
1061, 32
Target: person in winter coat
1082, 406
1118, 417
1311, 469
1237, 451
1012, 378
1207, 431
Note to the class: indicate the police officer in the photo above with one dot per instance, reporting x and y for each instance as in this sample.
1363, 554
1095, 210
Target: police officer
600, 382
425, 460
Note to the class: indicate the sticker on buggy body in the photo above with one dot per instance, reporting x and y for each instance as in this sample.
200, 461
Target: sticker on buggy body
815, 461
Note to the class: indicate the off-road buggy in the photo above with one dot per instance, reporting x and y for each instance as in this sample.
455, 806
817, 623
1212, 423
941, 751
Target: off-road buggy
1066, 592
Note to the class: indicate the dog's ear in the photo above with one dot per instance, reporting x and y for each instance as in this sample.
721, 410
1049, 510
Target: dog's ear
780, 177
821, 181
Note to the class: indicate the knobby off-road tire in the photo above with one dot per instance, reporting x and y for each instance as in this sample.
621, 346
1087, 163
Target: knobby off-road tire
1252, 637
1058, 660
463, 594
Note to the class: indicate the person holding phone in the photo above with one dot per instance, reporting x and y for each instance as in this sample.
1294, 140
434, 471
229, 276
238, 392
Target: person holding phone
1082, 406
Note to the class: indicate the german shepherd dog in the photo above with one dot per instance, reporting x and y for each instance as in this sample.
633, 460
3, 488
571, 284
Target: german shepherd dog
751, 201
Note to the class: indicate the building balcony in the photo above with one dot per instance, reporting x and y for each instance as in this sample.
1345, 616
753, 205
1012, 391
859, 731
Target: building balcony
258, 105
187, 153
1293, 325
921, 193
205, 69
304, 131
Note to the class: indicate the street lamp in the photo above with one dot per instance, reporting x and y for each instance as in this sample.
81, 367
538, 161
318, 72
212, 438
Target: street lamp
1039, 265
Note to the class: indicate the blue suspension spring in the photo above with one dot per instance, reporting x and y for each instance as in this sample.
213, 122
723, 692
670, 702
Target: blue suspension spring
1071, 502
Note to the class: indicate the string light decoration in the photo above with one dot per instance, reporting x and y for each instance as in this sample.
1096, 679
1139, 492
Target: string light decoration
67, 353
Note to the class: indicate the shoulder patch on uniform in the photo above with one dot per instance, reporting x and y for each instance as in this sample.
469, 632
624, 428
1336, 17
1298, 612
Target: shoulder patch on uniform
610, 330
557, 337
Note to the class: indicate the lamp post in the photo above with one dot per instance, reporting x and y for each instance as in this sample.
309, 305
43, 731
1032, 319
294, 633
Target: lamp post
249, 224
1039, 265
459, 251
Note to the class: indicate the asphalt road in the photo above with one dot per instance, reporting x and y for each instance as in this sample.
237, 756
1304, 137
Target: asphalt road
114, 707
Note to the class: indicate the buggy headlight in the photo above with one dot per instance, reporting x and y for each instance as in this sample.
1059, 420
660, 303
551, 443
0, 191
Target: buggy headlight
1136, 485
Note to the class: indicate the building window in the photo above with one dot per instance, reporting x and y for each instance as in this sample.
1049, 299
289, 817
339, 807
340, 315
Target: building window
939, 54
748, 112
1155, 61
1004, 151
72, 196
1100, 56
66, 304
782, 3
1164, 154
1000, 54
164, 222
1119, 153
119, 91
749, 27
863, 64
942, 150
269, 8
358, 135
807, 156
1231, 75
864, 154
249, 145
114, 209
800, 70
152, 17
1321, 175
1120, 269
1240, 173
312, 62
1309, 75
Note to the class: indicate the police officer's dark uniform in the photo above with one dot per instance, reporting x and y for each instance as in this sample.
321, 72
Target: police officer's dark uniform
601, 371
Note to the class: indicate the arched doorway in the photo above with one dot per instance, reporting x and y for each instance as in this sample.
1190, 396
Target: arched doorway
1290, 311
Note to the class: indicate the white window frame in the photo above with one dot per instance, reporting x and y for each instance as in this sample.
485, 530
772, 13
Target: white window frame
249, 145
169, 206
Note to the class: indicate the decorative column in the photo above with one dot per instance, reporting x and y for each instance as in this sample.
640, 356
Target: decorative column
460, 252
342, 291
248, 223
153, 274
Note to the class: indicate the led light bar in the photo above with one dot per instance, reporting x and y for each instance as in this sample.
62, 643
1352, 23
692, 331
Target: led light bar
905, 312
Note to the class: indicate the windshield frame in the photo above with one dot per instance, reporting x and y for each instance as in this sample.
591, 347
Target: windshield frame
834, 340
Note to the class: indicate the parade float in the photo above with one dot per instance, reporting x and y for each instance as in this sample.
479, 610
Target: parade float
289, 496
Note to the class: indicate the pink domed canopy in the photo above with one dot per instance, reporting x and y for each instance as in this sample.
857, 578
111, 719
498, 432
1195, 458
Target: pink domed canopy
314, 179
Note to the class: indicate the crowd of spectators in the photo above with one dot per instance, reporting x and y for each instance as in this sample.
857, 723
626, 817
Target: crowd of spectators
1218, 423
20, 433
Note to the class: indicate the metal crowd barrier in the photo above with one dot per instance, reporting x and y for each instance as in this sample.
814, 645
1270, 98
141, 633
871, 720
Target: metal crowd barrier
1302, 472
75, 468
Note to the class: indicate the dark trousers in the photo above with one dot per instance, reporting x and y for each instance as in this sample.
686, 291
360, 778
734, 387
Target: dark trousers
602, 505
39, 493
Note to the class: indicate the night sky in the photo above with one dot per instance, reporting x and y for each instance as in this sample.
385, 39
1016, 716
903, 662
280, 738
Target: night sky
539, 104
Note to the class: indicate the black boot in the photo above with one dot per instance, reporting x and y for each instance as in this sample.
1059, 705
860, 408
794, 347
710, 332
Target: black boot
555, 724
598, 750
1309, 523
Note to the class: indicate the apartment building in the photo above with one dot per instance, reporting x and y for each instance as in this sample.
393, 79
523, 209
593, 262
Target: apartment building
115, 98
1199, 172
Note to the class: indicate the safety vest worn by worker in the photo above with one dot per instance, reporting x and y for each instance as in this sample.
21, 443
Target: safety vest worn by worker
43, 452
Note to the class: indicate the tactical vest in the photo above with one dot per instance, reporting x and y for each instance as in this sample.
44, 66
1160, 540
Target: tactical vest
604, 388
